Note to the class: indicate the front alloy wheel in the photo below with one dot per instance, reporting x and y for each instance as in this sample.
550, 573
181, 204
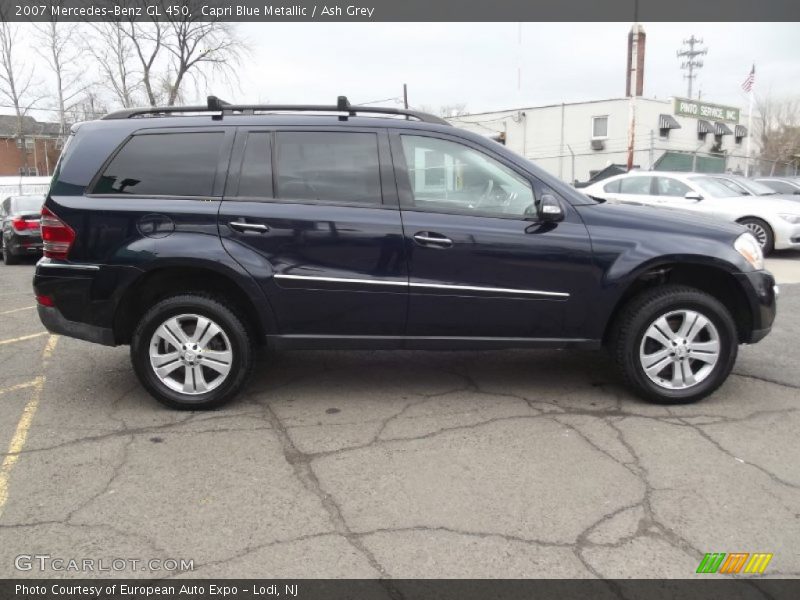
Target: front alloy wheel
674, 344
679, 350
192, 352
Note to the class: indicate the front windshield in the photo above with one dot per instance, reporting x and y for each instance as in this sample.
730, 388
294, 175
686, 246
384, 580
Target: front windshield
714, 187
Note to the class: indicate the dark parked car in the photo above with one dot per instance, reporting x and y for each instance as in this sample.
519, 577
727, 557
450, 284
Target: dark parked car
195, 233
19, 216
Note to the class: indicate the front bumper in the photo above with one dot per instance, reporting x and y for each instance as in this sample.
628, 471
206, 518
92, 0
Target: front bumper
762, 295
787, 235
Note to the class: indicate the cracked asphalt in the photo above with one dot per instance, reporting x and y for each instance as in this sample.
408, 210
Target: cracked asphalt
509, 464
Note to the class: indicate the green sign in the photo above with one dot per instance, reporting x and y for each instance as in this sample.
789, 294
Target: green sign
705, 110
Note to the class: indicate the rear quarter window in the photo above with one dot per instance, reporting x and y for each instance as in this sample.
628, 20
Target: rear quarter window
164, 164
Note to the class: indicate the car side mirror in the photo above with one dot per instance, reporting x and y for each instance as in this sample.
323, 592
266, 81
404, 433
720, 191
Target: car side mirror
550, 209
693, 196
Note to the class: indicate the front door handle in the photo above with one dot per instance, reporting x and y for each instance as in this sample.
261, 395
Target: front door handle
246, 227
429, 238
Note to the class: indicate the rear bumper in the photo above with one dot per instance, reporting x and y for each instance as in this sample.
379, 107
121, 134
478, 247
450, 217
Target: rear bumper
762, 295
55, 322
82, 298
23, 245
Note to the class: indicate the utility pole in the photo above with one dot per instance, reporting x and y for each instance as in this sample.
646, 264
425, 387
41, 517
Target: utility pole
405, 96
691, 61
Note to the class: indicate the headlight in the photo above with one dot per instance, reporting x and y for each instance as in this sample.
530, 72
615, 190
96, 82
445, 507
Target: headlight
748, 247
794, 219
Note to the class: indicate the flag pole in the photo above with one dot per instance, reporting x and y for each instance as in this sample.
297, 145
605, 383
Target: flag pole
749, 128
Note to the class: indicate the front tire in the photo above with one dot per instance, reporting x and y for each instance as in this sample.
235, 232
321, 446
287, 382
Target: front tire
190, 352
674, 344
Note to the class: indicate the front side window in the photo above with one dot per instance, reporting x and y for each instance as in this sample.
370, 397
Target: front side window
636, 185
327, 166
667, 186
600, 127
169, 164
446, 176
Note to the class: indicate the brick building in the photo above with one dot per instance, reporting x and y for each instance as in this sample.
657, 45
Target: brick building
33, 151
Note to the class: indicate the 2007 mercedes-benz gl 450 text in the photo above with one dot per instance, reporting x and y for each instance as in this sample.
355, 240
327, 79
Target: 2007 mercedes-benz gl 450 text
194, 234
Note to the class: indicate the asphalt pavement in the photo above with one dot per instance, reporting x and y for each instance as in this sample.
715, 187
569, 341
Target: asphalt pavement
393, 464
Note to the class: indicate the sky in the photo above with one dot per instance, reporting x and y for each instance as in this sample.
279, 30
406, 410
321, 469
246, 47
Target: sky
476, 64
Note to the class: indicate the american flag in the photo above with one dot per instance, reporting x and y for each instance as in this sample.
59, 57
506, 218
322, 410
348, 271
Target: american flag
748, 83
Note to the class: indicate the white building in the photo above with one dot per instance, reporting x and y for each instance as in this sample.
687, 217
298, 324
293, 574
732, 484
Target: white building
575, 141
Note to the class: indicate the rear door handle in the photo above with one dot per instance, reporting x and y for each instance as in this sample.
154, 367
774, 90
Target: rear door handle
428, 238
246, 227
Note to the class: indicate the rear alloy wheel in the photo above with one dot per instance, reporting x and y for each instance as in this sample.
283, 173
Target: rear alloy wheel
675, 344
191, 352
762, 232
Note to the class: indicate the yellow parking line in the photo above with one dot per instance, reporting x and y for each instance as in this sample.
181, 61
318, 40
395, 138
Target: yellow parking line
24, 425
8, 312
23, 338
19, 386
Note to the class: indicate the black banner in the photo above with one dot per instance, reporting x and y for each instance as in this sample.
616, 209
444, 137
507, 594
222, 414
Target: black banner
715, 587
402, 10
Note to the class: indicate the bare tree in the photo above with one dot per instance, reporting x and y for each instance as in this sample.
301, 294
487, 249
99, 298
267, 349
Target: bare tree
147, 42
455, 109
61, 51
199, 49
17, 86
778, 128
113, 52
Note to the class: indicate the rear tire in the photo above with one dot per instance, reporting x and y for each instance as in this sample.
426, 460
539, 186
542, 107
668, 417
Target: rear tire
762, 232
190, 352
674, 344
8, 258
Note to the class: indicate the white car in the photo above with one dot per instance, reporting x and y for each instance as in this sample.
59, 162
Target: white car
775, 222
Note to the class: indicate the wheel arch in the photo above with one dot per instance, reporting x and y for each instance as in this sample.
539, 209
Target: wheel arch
171, 278
712, 277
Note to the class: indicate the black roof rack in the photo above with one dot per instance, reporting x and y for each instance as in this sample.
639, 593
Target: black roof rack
217, 105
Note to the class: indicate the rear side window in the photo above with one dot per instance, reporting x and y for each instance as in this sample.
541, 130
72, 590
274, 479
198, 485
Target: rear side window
612, 187
327, 166
169, 164
635, 185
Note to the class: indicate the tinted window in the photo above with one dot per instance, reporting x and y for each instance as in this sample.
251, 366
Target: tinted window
612, 187
447, 176
635, 185
667, 186
329, 166
255, 177
171, 164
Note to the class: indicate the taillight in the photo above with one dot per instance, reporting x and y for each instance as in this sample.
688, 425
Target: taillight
20, 224
45, 300
57, 236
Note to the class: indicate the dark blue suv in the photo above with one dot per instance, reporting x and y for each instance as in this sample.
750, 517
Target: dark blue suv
196, 233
